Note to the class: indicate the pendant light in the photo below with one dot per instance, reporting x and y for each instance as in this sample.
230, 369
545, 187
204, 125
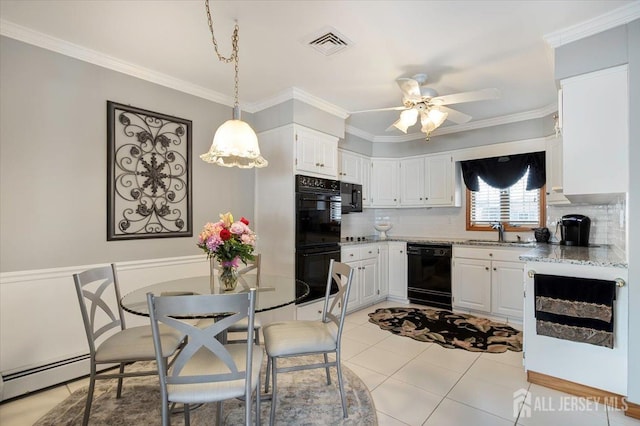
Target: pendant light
235, 144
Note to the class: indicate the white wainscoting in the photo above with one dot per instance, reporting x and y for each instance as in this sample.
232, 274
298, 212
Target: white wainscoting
42, 339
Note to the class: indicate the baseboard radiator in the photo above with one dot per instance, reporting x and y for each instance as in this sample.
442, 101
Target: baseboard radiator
42, 339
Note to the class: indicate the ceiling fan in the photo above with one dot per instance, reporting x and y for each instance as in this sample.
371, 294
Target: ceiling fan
424, 102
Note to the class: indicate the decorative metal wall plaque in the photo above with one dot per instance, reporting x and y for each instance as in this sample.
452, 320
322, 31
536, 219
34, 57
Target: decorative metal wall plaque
149, 174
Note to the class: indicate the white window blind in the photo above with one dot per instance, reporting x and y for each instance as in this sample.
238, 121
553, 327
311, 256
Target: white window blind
514, 205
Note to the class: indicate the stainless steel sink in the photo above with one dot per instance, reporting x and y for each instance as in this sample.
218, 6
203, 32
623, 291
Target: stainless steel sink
502, 243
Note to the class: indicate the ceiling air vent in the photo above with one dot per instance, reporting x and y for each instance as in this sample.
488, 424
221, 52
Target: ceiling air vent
327, 41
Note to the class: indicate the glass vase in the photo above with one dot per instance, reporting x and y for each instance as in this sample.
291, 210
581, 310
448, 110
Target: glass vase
228, 276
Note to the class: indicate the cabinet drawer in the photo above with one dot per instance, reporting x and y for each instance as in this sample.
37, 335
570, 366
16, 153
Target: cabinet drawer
350, 253
358, 252
504, 254
368, 251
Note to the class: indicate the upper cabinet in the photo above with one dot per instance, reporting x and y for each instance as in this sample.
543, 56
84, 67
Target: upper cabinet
384, 183
316, 153
366, 182
555, 189
595, 128
431, 181
350, 167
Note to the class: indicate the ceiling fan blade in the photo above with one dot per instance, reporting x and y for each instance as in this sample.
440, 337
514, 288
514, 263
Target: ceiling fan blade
398, 125
410, 88
458, 98
399, 108
455, 116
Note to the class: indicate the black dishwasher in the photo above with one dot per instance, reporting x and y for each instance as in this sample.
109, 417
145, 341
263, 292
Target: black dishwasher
429, 274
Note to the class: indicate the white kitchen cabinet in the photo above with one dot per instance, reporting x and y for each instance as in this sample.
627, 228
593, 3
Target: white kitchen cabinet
366, 182
383, 271
350, 167
507, 290
316, 153
363, 258
384, 183
412, 182
471, 287
489, 280
429, 181
311, 311
398, 271
554, 185
595, 129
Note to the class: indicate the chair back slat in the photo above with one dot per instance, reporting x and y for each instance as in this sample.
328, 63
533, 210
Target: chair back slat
342, 275
97, 290
228, 308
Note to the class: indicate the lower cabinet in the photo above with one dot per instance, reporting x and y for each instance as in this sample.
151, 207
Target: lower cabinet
383, 271
364, 261
398, 271
310, 312
490, 281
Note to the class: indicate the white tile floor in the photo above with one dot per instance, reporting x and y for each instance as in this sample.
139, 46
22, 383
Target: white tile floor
415, 383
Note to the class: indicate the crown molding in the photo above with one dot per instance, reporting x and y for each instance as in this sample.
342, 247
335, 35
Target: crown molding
612, 19
480, 124
36, 38
300, 95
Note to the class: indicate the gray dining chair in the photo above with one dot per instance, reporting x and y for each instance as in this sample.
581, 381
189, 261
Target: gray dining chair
206, 370
301, 338
241, 326
110, 341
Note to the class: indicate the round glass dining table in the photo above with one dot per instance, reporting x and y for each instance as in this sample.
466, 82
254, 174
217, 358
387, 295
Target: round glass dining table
273, 292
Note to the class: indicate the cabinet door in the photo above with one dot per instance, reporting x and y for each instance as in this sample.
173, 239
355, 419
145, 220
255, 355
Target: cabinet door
398, 270
327, 152
595, 126
412, 180
350, 165
368, 280
366, 182
354, 300
553, 159
310, 312
383, 271
306, 159
471, 285
439, 180
316, 153
507, 287
384, 183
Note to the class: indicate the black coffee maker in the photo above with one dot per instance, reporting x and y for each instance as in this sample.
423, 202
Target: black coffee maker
574, 230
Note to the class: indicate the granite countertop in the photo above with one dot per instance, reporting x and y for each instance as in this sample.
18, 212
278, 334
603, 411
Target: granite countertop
603, 255
440, 240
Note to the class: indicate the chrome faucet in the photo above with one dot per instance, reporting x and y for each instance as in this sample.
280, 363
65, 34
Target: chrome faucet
500, 227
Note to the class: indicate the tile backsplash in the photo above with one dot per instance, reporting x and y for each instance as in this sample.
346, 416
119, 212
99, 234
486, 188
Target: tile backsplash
608, 223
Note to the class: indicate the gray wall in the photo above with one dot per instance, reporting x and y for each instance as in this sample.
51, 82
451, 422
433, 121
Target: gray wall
295, 111
53, 161
611, 48
523, 130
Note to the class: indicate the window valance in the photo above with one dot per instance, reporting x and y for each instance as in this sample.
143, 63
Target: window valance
502, 172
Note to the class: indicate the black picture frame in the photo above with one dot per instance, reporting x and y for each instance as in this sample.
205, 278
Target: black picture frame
149, 191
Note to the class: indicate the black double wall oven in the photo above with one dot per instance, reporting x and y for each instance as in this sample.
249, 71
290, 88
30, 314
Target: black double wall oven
318, 220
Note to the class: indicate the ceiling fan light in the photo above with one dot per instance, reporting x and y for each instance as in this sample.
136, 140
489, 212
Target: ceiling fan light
437, 117
409, 117
235, 144
400, 125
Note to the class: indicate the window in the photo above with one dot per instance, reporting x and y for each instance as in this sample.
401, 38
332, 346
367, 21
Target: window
516, 207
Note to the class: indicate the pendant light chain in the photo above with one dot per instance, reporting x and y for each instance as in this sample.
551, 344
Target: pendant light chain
234, 53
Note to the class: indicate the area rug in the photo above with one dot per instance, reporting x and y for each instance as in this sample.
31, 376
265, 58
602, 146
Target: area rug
304, 398
449, 329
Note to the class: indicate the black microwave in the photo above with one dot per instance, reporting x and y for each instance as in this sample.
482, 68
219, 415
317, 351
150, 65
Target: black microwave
351, 197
